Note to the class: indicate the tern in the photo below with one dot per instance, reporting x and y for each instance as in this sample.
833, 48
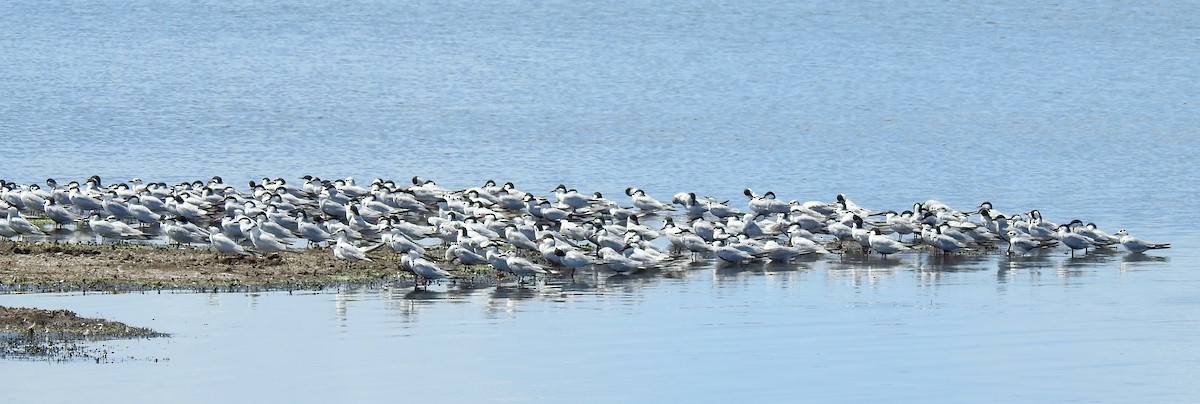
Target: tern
343, 250
423, 268
885, 245
1136, 245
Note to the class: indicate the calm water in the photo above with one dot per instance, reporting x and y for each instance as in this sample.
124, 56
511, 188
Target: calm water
1081, 110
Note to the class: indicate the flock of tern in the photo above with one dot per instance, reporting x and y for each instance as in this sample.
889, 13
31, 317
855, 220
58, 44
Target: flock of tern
516, 232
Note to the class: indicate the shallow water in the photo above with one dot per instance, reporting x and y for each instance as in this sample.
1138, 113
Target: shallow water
1079, 110
909, 328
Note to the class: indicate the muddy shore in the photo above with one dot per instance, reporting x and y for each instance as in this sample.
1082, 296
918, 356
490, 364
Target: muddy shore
61, 335
49, 267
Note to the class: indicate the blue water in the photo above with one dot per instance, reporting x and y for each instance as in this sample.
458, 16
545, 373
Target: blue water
1079, 109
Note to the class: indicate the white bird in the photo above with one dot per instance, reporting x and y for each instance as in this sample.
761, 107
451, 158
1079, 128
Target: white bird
412, 230
522, 267
985, 208
848, 206
720, 209
183, 207
422, 268
60, 215
34, 198
861, 234
781, 253
704, 229
1023, 244
223, 244
644, 252
885, 245
694, 243
343, 250
512, 201
570, 198
605, 238
617, 262
116, 206
6, 231
498, 261
312, 231
1072, 240
1094, 233
1039, 228
901, 223
767, 203
840, 231
542, 208
58, 193
265, 242
1133, 244
154, 203
935, 238
806, 244
635, 225
111, 227
518, 238
464, 256
644, 202
348, 187
573, 259
731, 254
691, 205
142, 213
400, 243
426, 190
20, 225
182, 232
84, 202
268, 222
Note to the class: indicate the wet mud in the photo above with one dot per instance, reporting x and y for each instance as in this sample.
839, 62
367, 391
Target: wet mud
63, 267
63, 336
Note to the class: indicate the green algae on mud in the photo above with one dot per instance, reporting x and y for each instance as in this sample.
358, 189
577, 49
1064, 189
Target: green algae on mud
43, 267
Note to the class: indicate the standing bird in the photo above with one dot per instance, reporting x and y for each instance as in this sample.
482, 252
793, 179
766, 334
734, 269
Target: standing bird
522, 267
945, 243
1133, 244
263, 241
1023, 244
570, 198
60, 215
223, 244
110, 227
20, 225
422, 268
885, 245
141, 212
182, 232
312, 230
573, 259
644, 202
343, 250
731, 254
84, 202
1073, 240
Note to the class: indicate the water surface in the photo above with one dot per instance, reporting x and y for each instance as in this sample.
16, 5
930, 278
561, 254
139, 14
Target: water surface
1081, 110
